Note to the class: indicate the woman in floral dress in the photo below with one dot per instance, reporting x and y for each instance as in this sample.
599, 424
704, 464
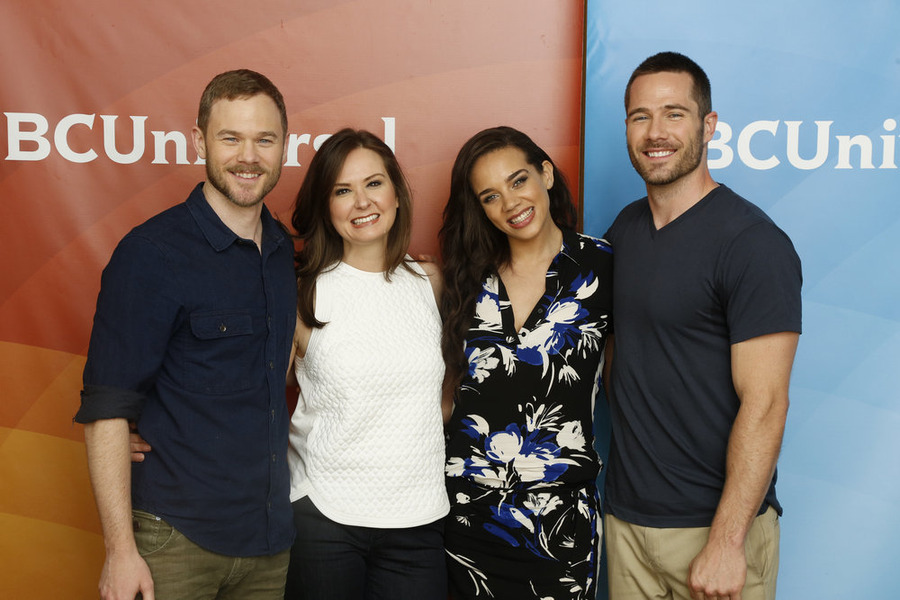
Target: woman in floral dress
527, 308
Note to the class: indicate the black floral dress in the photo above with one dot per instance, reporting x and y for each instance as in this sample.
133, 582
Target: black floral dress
521, 467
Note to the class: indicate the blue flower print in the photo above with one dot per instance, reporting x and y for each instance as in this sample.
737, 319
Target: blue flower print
560, 329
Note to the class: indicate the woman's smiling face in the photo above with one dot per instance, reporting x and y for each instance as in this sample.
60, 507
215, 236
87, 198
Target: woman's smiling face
513, 193
363, 201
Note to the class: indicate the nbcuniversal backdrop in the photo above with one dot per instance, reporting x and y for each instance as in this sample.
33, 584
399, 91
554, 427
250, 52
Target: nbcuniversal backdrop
98, 99
808, 97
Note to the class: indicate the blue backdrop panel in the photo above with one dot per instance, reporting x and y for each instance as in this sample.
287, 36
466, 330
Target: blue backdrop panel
808, 97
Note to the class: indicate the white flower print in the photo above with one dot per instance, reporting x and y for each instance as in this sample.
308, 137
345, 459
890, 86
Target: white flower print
571, 436
504, 447
481, 363
487, 308
543, 503
455, 467
586, 290
509, 360
479, 425
539, 465
519, 516
567, 374
542, 417
590, 339
476, 575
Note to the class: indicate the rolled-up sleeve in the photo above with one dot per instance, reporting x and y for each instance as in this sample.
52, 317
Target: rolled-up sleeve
104, 402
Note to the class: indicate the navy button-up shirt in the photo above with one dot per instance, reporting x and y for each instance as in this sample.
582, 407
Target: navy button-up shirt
191, 339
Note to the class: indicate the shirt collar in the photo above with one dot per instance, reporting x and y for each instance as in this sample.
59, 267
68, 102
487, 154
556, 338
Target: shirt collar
571, 246
217, 233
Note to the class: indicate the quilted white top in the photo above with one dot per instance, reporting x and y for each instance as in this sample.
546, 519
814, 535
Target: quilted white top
366, 439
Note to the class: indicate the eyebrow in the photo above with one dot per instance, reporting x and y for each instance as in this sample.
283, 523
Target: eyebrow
235, 133
665, 107
366, 179
509, 178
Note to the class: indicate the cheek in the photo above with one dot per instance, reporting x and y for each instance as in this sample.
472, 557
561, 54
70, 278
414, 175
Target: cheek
389, 215
335, 211
493, 215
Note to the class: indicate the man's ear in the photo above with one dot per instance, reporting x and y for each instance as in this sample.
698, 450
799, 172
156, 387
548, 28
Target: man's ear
199, 142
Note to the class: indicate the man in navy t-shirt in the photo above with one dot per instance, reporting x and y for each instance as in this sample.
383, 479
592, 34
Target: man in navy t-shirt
706, 298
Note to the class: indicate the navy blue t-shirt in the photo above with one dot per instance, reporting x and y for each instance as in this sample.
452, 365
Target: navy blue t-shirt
191, 339
719, 274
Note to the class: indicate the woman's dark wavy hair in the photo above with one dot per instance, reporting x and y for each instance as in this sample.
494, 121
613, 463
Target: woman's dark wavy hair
471, 246
322, 246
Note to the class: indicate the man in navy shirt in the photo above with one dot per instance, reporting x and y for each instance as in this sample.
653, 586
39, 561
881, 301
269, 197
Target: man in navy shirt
706, 296
191, 340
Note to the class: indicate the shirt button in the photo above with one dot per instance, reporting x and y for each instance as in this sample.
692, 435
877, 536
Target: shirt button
540, 311
271, 364
222, 327
273, 458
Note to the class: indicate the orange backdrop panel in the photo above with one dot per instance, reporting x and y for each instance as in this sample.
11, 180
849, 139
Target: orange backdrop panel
429, 74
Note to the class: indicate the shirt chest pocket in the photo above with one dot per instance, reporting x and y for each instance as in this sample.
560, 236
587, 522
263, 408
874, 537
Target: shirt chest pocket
221, 356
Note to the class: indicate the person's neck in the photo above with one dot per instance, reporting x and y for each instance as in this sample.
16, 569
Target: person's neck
368, 257
244, 221
670, 201
540, 250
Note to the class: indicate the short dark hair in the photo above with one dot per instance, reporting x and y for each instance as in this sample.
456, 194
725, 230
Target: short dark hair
240, 83
323, 246
673, 62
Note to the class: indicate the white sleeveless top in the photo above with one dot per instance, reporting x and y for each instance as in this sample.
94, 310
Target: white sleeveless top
366, 439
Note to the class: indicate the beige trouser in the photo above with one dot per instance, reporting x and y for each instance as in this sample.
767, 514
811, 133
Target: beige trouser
650, 562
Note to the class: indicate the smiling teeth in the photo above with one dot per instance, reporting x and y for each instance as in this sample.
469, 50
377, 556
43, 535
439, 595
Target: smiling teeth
364, 220
244, 175
659, 153
522, 217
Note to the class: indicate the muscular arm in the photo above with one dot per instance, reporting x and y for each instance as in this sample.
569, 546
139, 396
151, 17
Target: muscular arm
761, 369
109, 460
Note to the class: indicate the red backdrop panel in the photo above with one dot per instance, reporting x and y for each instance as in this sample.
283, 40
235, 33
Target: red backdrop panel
73, 181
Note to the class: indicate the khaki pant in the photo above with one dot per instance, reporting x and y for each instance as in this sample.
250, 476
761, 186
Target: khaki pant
182, 570
650, 562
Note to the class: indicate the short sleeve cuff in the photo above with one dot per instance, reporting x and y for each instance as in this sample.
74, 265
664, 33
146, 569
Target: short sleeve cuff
105, 402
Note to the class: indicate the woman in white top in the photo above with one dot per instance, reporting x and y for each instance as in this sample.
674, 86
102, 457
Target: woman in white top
366, 442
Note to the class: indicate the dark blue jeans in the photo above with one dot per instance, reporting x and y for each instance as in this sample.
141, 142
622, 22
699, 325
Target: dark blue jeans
330, 561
